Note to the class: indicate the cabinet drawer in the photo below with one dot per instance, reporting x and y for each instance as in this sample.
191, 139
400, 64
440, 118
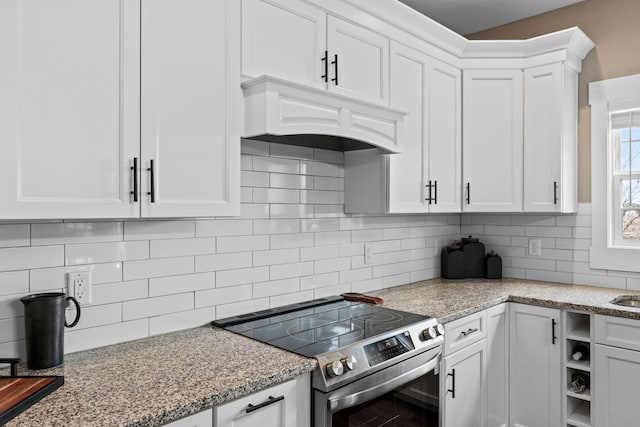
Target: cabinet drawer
463, 332
618, 332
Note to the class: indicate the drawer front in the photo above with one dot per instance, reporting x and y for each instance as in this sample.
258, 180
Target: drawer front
463, 332
618, 332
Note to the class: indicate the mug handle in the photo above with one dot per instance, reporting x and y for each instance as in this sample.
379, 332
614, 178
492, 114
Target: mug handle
77, 319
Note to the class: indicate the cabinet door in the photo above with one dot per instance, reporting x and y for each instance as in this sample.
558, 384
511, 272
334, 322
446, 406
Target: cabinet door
362, 70
190, 108
463, 388
284, 38
492, 134
278, 408
534, 366
69, 109
498, 366
550, 139
444, 158
200, 419
617, 375
409, 74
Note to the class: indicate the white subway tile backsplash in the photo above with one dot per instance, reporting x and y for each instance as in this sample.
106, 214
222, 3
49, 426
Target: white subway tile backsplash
10, 306
391, 269
291, 211
319, 197
276, 195
534, 220
294, 151
548, 231
319, 281
328, 183
332, 238
320, 169
93, 253
147, 230
352, 249
549, 276
13, 235
319, 252
99, 315
396, 233
157, 306
254, 179
507, 230
276, 287
246, 162
181, 320
320, 224
355, 223
246, 195
292, 298
14, 282
84, 339
257, 148
418, 243
276, 226
182, 247
180, 284
55, 278
357, 275
397, 280
226, 227
223, 261
276, 256
276, 165
120, 291
254, 210
242, 244
242, 276
370, 235
22, 258
328, 156
283, 241
329, 211
535, 264
75, 232
284, 271
12, 329
329, 265
157, 267
332, 290
236, 308
213, 297
602, 281
369, 285
299, 182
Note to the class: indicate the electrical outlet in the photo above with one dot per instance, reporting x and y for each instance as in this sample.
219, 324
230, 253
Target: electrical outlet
79, 286
535, 247
368, 253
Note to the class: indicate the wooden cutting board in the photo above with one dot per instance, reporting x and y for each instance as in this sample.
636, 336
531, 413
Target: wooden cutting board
18, 393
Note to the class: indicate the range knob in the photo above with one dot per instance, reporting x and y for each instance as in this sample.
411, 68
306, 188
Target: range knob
349, 362
429, 333
335, 369
440, 329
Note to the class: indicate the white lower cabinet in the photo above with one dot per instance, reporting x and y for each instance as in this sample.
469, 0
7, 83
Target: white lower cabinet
617, 372
283, 405
463, 371
535, 366
201, 419
497, 377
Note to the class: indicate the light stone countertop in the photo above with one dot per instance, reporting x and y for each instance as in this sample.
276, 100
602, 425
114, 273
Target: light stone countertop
156, 380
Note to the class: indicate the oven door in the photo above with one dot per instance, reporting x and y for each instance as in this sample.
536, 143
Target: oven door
404, 394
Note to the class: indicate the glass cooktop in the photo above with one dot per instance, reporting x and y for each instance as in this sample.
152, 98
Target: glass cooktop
318, 326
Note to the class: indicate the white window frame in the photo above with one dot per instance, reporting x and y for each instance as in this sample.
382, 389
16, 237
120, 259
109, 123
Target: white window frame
606, 96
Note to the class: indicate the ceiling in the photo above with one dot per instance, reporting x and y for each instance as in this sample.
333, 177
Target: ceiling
470, 16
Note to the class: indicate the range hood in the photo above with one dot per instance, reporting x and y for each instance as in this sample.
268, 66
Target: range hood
277, 110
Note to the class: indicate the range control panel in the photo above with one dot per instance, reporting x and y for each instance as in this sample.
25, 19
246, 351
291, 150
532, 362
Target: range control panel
388, 348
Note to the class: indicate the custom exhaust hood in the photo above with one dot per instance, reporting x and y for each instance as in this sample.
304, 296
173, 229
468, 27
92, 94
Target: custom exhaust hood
277, 110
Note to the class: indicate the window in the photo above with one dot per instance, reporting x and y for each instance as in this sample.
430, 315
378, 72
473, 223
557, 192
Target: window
615, 169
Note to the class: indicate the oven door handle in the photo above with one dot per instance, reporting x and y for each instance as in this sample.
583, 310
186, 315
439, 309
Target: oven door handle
339, 403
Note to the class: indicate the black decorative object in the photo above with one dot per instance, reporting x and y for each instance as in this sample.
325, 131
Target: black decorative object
452, 262
474, 257
494, 266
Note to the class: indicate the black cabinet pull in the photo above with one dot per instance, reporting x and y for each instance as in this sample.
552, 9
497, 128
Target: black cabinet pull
428, 199
555, 192
435, 192
468, 193
553, 331
269, 401
325, 59
152, 185
335, 68
453, 383
134, 170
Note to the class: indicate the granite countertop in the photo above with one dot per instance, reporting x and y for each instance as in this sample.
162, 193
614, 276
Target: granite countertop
448, 300
156, 380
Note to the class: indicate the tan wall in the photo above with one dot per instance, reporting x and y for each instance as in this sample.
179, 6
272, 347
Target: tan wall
614, 26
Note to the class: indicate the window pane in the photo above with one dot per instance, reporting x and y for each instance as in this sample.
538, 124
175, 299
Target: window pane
625, 159
624, 134
635, 156
630, 196
635, 134
631, 225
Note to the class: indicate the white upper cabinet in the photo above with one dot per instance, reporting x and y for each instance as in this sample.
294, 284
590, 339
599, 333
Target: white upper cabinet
426, 176
292, 40
550, 139
69, 109
492, 134
190, 102
284, 38
74, 110
358, 61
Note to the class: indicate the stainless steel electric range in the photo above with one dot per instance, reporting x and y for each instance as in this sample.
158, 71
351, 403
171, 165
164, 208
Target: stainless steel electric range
374, 363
